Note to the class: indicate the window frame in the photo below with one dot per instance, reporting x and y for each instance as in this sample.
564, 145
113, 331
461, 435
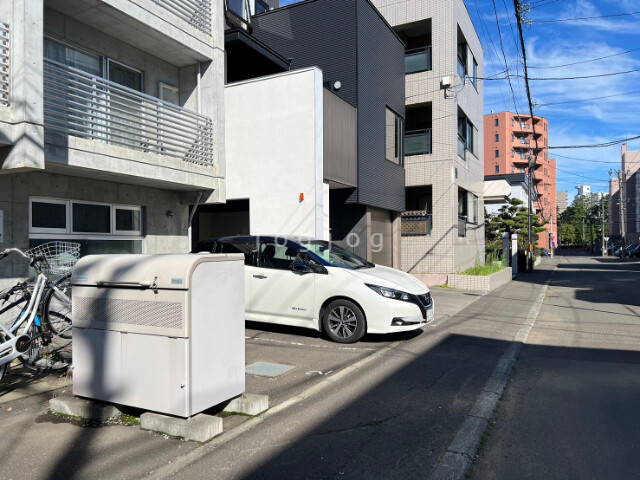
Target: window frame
33, 229
68, 233
398, 146
134, 208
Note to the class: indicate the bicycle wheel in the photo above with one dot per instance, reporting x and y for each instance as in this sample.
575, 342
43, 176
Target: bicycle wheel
57, 308
3, 368
38, 357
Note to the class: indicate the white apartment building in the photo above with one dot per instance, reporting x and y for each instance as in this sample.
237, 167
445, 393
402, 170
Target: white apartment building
443, 227
111, 122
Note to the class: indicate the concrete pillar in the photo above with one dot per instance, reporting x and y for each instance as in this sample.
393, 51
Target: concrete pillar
25, 130
514, 254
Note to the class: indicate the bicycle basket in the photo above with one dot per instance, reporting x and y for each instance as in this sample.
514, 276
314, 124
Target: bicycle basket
60, 257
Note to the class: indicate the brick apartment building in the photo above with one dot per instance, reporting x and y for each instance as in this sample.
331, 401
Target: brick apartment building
508, 143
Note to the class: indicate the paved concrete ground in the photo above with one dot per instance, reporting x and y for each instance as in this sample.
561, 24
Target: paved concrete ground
570, 410
75, 449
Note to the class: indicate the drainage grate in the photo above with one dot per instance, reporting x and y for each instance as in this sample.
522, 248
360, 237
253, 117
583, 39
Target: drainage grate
266, 369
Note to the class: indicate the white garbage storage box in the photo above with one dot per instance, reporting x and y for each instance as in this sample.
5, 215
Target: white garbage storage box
159, 332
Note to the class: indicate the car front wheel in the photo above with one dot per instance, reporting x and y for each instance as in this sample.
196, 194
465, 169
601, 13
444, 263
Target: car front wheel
343, 321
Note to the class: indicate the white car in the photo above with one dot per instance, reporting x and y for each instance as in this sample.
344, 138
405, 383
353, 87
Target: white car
319, 285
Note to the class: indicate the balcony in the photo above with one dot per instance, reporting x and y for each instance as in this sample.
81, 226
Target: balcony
417, 142
415, 223
417, 60
4, 64
81, 105
462, 225
196, 13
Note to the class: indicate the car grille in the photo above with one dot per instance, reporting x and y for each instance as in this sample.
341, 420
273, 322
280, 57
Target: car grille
425, 300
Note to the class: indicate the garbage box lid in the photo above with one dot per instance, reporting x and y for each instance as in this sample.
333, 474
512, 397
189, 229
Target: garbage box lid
143, 271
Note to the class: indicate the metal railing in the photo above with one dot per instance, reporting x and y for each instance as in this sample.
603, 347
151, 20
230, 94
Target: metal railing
82, 105
462, 225
4, 64
417, 60
415, 223
417, 142
196, 13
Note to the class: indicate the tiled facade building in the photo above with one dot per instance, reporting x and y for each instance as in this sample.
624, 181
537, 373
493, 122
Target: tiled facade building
508, 144
443, 227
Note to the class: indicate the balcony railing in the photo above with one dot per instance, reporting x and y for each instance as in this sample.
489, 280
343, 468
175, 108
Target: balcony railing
417, 60
415, 223
4, 64
462, 225
195, 12
417, 142
82, 105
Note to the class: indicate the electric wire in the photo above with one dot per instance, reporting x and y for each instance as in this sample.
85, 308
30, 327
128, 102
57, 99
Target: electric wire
576, 19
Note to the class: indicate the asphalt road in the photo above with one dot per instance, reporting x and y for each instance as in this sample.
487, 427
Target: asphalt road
571, 407
392, 418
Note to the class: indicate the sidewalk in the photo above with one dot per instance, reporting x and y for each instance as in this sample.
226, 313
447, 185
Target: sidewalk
570, 410
400, 399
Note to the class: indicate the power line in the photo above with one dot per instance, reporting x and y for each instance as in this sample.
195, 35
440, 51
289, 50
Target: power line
587, 99
587, 61
538, 79
585, 18
596, 145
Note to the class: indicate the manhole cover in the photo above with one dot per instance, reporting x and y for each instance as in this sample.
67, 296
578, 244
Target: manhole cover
266, 369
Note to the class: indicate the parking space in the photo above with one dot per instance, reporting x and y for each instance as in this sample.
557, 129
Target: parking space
313, 357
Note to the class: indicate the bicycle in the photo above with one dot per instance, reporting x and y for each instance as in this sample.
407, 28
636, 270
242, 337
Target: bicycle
59, 257
24, 337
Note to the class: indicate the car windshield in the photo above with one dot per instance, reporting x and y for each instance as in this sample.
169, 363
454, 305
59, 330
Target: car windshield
335, 255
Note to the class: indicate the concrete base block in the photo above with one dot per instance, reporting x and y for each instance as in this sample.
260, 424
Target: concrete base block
249, 404
199, 428
82, 407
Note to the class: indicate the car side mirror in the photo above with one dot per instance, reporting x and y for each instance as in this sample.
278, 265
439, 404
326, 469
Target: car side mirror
300, 267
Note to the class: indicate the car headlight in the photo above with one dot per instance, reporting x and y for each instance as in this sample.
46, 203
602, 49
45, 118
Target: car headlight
390, 293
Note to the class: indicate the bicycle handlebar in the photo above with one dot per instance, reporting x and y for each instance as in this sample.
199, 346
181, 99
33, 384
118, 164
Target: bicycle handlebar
32, 260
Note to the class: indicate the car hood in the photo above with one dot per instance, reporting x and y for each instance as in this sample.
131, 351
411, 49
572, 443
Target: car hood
391, 278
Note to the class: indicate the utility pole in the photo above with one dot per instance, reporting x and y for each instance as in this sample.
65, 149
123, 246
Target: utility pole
551, 231
602, 246
622, 180
529, 223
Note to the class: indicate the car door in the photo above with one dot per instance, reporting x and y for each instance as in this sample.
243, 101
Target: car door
278, 294
249, 250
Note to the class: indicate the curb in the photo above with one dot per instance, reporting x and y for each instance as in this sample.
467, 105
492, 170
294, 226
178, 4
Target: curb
462, 450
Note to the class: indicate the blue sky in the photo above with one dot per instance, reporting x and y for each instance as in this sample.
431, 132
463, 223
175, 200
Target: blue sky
549, 45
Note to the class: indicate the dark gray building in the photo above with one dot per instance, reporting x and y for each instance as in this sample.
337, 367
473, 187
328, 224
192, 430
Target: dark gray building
362, 61
362, 64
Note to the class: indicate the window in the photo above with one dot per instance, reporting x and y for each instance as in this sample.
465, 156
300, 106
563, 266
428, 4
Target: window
497, 169
90, 218
276, 255
99, 227
72, 57
497, 153
473, 213
394, 132
512, 122
467, 136
474, 80
261, 7
462, 59
123, 75
48, 216
497, 137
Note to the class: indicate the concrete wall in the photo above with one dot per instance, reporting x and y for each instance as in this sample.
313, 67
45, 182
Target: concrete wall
274, 141
444, 251
164, 234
